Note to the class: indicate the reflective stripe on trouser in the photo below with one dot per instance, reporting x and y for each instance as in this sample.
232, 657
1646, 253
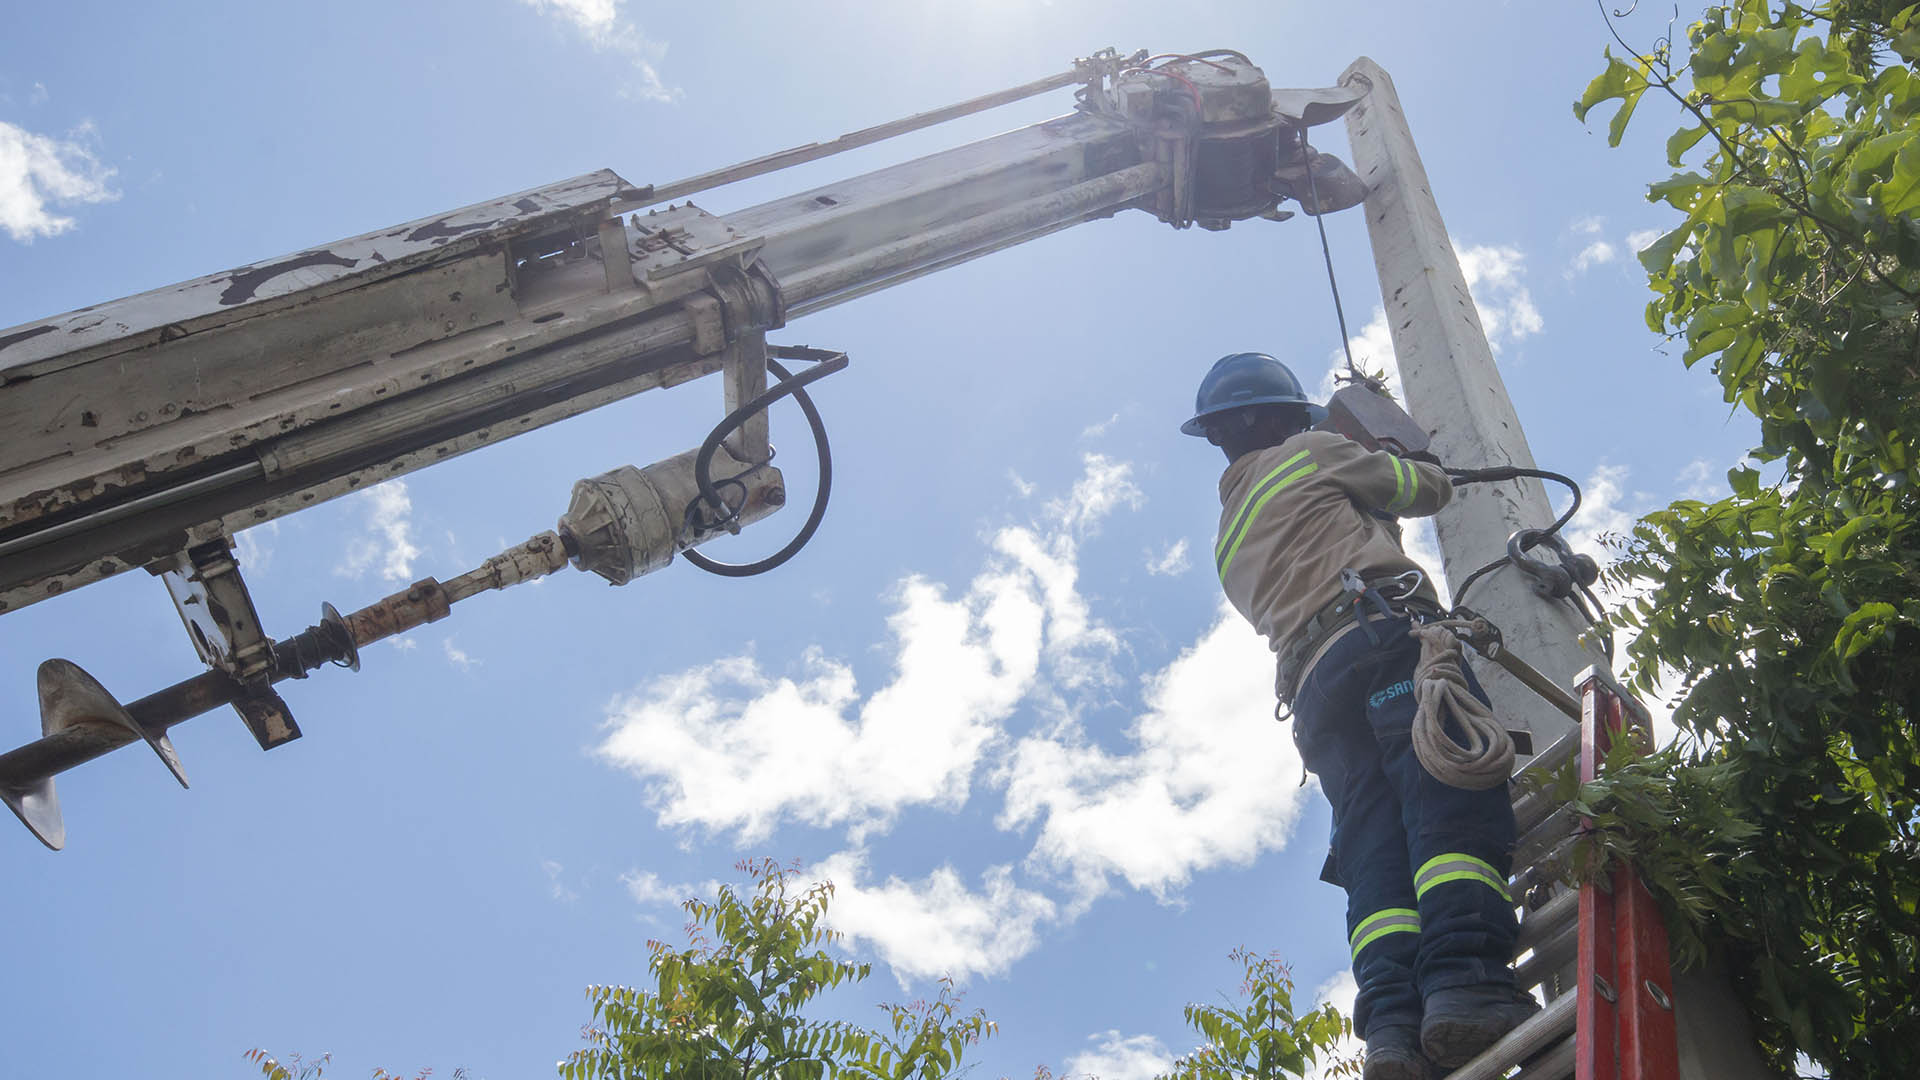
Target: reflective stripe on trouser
1393, 920
1391, 818
1458, 866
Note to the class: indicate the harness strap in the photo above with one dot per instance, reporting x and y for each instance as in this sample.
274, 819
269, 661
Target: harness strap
1323, 625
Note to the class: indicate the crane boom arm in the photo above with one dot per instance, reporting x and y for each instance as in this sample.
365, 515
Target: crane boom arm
143, 426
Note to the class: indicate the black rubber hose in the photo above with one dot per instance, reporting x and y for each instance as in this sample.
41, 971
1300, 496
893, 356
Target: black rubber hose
703, 464
1514, 472
1510, 472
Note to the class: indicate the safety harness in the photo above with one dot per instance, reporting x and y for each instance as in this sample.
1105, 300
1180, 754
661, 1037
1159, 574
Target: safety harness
1362, 600
1485, 758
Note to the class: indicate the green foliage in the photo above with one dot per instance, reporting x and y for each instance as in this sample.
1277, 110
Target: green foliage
730, 1006
294, 1068
299, 1068
1790, 610
1260, 1037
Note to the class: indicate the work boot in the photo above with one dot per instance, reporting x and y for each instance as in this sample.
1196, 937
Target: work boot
1393, 1053
1461, 1022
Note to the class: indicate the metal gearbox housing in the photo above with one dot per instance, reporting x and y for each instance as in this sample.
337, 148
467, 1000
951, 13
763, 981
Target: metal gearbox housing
630, 521
1235, 148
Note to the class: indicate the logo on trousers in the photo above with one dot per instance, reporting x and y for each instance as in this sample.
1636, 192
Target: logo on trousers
1381, 697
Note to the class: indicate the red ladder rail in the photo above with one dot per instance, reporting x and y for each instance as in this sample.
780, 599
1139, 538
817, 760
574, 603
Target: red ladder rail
1623, 1027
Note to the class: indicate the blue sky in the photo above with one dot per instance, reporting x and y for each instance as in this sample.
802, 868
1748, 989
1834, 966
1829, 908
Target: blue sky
997, 701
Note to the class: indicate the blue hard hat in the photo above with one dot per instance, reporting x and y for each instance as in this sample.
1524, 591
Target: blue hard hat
1243, 379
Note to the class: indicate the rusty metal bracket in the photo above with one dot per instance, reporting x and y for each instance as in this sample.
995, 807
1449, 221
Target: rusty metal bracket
1486, 640
268, 718
424, 601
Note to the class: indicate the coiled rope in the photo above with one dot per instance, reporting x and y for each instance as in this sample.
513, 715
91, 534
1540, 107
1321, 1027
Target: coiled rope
1485, 760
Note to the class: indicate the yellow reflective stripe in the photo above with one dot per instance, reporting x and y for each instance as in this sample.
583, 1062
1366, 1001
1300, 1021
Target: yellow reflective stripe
1457, 866
1246, 508
1399, 484
1384, 922
1406, 485
1275, 490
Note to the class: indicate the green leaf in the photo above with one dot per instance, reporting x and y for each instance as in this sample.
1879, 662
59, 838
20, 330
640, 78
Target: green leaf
1819, 70
1749, 208
1658, 256
1679, 191
1682, 141
1620, 81
1864, 628
1899, 194
1907, 44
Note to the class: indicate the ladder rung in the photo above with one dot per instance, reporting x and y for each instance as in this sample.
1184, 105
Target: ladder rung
1554, 756
1544, 837
1540, 925
1532, 807
1543, 869
1555, 1064
1540, 1032
1550, 957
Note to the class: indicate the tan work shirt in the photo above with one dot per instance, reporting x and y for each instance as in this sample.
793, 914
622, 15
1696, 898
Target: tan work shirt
1294, 515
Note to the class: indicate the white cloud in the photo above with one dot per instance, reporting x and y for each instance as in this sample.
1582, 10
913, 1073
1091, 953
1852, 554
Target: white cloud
389, 543
1506, 308
1603, 512
557, 888
39, 172
731, 747
1094, 431
39, 95
1211, 778
936, 926
253, 548
1021, 485
407, 643
607, 29
458, 657
1204, 777
648, 889
1372, 351
1119, 1057
1172, 562
388, 540
1700, 481
1594, 254
1422, 545
1639, 239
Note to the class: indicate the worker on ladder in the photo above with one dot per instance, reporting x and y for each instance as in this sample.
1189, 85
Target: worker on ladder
1308, 554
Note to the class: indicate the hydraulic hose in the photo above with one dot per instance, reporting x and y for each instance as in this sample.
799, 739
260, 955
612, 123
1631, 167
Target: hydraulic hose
789, 384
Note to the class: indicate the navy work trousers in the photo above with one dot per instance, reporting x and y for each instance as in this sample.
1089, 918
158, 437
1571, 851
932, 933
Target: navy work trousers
1425, 865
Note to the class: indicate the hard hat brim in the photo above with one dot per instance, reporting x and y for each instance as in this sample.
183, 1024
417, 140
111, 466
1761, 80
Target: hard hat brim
1198, 425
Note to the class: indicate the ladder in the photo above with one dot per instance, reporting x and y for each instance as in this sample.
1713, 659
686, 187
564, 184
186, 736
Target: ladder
1615, 1020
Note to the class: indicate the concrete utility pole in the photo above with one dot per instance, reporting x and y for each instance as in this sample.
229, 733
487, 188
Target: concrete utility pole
1454, 390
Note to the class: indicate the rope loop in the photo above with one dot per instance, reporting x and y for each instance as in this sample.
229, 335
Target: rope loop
1485, 760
